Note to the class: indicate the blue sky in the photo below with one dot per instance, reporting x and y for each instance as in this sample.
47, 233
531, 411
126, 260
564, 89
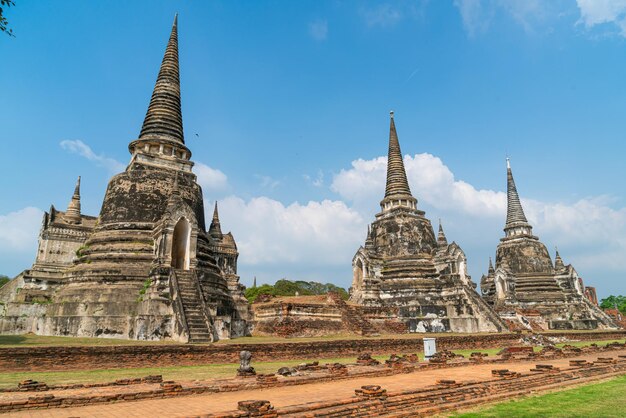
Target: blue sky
290, 102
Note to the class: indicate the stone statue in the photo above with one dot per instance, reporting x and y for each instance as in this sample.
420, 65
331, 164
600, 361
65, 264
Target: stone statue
244, 364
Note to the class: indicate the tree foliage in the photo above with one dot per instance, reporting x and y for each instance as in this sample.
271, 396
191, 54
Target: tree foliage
286, 287
4, 280
4, 23
612, 301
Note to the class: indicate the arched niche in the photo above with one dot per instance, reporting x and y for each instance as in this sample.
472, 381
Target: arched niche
359, 270
460, 261
500, 288
180, 244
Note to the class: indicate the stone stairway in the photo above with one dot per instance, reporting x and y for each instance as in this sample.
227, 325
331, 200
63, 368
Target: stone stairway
351, 317
485, 309
199, 331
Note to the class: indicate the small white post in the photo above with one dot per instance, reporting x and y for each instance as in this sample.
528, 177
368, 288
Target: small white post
430, 348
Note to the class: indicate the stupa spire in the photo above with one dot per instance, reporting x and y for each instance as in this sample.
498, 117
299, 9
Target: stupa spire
72, 215
558, 261
215, 230
164, 119
516, 222
491, 269
368, 238
441, 237
397, 191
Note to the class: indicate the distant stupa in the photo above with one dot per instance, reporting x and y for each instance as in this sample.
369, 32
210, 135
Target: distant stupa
402, 265
526, 289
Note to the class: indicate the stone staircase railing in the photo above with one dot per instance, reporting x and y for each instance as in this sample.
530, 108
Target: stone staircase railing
177, 304
195, 314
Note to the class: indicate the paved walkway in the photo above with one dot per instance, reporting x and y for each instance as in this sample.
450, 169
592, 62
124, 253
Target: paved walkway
290, 395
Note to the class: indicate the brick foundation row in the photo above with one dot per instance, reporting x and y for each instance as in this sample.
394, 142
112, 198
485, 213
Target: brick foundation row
374, 401
319, 373
113, 357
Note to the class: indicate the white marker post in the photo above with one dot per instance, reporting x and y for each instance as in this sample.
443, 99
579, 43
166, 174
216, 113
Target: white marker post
430, 348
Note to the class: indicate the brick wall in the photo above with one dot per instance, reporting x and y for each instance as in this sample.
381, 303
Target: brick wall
84, 358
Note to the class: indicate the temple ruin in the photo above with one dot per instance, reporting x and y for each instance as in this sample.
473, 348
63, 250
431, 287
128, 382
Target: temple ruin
145, 268
404, 267
526, 289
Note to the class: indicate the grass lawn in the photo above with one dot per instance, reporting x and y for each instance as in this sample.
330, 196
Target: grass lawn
200, 372
606, 399
181, 373
38, 340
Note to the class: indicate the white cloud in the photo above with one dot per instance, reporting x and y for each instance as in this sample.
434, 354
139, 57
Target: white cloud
474, 14
267, 182
82, 149
317, 181
596, 12
589, 232
19, 230
384, 15
431, 181
269, 233
211, 179
18, 239
319, 30
525, 12
477, 15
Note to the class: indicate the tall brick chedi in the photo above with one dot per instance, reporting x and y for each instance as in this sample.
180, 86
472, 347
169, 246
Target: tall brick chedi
146, 268
404, 266
526, 288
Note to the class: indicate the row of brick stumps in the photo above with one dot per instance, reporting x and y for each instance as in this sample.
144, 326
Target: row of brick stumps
30, 385
304, 374
372, 400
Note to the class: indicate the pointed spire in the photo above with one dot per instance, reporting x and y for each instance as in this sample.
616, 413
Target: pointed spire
368, 238
215, 230
72, 215
442, 241
254, 282
164, 118
397, 184
397, 187
491, 269
515, 217
558, 261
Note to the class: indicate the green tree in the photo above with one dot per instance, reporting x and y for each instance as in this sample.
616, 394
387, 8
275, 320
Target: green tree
284, 287
612, 301
4, 280
4, 23
253, 292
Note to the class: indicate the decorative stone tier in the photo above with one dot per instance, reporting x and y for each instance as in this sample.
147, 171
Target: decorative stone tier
525, 256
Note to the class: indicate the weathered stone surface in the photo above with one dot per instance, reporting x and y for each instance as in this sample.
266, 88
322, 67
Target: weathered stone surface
403, 265
527, 289
145, 268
